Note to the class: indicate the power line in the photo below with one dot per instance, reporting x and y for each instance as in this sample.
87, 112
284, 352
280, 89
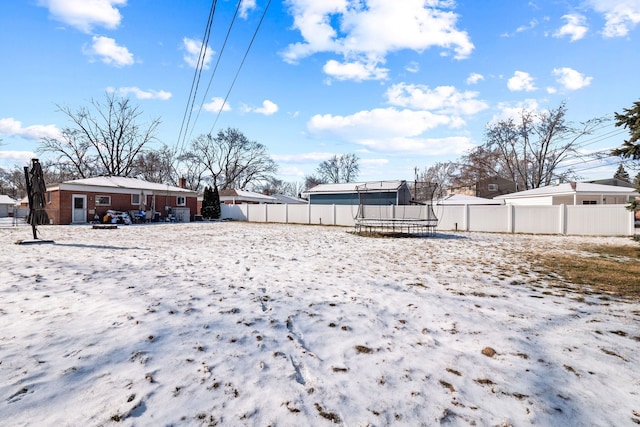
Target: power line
224, 44
196, 77
255, 33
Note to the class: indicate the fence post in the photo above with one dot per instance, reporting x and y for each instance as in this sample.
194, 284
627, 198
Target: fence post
466, 218
563, 219
286, 213
309, 214
334, 214
510, 215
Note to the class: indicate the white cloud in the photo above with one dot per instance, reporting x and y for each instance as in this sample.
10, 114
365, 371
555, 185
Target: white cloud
109, 52
532, 24
246, 6
268, 108
412, 67
571, 79
388, 130
313, 157
444, 99
85, 14
366, 31
575, 27
11, 158
474, 78
11, 127
193, 53
216, 105
141, 94
621, 15
521, 81
357, 71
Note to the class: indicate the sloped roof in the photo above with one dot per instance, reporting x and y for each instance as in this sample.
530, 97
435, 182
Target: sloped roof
289, 200
123, 182
571, 188
352, 187
248, 196
6, 200
463, 199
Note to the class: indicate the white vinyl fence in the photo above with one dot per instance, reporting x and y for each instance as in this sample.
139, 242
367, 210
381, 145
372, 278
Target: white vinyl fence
596, 220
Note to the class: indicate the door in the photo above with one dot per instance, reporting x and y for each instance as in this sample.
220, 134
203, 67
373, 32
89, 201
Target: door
79, 213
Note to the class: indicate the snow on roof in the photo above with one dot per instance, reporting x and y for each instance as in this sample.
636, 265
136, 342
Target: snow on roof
124, 182
352, 187
246, 195
6, 200
571, 188
462, 199
289, 200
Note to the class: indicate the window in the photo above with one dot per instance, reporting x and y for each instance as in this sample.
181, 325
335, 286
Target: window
181, 201
589, 202
493, 187
48, 196
103, 200
135, 199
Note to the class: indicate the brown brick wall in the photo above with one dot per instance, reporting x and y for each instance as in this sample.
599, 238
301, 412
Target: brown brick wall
60, 208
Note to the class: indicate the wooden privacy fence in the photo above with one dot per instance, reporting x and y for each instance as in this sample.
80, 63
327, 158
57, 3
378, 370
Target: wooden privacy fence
595, 220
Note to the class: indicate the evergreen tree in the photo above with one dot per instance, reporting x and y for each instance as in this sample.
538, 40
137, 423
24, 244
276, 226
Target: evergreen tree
630, 119
207, 204
215, 199
622, 174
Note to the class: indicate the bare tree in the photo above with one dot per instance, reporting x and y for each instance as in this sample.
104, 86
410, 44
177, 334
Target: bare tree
529, 149
443, 174
232, 160
193, 169
277, 186
105, 138
72, 153
339, 169
157, 166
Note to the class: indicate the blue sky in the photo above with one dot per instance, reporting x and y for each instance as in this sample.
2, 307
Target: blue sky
401, 83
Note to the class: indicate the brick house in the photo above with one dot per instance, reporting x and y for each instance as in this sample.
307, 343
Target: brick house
85, 200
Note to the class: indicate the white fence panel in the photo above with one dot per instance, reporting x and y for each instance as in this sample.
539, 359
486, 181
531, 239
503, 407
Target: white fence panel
451, 217
489, 218
537, 219
600, 220
322, 214
277, 213
299, 214
235, 212
345, 215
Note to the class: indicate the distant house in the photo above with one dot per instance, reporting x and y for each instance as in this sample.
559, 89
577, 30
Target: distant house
85, 200
487, 188
494, 186
372, 192
6, 206
572, 193
236, 197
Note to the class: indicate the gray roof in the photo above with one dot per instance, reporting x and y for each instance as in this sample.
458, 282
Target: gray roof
353, 187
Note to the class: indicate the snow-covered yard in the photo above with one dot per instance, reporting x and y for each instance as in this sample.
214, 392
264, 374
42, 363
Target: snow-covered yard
256, 324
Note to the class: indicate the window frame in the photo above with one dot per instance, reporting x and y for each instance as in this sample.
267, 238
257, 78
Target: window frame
179, 203
101, 196
133, 202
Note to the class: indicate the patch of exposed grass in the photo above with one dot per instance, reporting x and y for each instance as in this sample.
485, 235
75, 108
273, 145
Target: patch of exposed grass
609, 269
